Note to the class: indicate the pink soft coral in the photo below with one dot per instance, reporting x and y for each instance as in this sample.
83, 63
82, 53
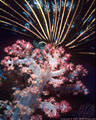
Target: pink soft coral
49, 70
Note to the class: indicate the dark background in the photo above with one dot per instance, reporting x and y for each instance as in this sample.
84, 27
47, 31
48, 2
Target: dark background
7, 38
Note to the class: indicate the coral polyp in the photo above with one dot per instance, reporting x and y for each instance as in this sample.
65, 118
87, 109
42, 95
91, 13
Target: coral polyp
49, 76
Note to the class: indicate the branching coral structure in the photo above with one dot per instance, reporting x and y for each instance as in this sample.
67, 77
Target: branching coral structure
49, 75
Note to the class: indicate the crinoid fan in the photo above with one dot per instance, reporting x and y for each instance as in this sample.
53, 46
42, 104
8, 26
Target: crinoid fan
40, 80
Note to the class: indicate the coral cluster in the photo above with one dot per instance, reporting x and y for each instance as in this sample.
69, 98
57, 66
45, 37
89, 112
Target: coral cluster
49, 76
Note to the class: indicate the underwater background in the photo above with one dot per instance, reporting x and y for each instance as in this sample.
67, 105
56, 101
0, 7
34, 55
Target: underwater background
87, 108
86, 104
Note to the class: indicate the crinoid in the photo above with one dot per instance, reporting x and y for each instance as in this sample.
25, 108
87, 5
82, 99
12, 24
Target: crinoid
67, 22
42, 80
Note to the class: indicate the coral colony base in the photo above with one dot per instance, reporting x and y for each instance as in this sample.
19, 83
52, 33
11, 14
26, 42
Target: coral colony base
49, 75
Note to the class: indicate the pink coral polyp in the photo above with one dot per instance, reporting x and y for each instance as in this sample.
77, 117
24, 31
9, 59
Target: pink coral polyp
65, 107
